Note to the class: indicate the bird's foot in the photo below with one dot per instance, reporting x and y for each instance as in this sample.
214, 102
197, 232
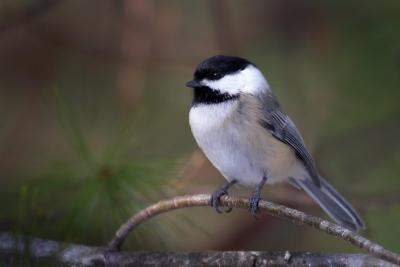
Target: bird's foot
256, 197
215, 199
253, 203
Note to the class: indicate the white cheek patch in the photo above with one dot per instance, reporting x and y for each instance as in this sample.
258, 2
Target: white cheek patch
230, 84
250, 80
255, 81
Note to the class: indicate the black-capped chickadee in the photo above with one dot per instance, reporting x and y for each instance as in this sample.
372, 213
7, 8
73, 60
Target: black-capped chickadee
239, 125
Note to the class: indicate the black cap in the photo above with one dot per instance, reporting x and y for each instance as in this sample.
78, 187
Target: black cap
216, 67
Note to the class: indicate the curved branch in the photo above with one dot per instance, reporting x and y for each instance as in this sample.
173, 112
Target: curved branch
293, 215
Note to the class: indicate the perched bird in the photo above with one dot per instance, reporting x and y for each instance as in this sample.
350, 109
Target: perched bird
238, 123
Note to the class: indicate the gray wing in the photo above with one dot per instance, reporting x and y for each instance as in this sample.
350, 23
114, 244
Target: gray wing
283, 128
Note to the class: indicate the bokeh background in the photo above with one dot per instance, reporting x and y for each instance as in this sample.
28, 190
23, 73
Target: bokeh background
94, 115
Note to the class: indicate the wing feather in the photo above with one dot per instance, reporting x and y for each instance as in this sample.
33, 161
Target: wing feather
283, 128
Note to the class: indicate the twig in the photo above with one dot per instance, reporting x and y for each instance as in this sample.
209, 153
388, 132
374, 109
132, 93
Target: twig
293, 215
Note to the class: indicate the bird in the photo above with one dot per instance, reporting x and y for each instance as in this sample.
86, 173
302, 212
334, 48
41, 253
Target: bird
239, 125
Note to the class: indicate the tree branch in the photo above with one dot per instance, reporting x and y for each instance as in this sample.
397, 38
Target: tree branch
293, 215
18, 250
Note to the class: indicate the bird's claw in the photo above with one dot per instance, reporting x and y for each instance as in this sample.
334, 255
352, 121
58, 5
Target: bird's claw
253, 203
215, 200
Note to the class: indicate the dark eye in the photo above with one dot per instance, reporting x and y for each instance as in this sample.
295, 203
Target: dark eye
216, 75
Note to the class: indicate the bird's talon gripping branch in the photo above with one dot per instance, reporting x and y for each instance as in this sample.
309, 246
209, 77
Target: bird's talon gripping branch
256, 197
215, 199
217, 194
253, 203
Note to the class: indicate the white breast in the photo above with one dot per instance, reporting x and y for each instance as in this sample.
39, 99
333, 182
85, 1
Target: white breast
238, 146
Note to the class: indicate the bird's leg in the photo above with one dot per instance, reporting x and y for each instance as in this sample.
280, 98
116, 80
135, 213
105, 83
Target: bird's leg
255, 197
217, 194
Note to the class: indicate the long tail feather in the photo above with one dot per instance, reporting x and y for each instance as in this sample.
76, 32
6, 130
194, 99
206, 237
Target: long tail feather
332, 203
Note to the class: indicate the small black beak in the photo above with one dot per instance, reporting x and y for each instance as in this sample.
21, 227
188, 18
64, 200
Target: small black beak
193, 84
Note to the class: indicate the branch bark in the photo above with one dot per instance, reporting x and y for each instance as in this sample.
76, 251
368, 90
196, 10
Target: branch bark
21, 250
293, 215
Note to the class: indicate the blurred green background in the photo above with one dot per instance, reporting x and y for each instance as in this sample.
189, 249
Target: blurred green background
94, 115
